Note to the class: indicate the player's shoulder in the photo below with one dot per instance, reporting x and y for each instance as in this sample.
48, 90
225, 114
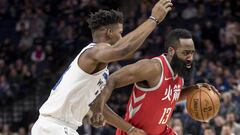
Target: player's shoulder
150, 64
97, 47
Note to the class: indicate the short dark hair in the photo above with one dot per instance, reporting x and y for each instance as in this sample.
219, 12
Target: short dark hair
173, 37
104, 18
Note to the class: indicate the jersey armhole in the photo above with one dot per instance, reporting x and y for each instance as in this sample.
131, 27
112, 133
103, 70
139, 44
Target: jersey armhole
159, 83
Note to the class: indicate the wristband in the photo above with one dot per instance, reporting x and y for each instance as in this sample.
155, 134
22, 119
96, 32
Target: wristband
154, 19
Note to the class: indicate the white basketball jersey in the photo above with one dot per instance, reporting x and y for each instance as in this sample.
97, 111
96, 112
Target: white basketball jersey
70, 98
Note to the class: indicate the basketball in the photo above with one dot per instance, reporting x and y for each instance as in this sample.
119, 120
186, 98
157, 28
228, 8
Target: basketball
203, 104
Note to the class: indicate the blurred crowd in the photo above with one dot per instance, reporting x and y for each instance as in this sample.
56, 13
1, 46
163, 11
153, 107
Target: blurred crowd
38, 39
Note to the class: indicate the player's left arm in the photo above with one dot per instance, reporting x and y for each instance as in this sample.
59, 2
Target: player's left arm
113, 119
185, 92
189, 89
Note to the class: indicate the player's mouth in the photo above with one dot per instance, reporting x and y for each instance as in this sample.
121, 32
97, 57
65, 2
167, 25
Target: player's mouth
189, 65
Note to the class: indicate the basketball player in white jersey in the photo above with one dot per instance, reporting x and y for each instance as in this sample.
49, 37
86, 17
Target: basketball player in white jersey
86, 76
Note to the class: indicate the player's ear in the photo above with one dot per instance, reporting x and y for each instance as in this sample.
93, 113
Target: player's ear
171, 51
109, 33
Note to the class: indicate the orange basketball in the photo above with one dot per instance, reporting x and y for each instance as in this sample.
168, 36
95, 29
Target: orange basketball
203, 104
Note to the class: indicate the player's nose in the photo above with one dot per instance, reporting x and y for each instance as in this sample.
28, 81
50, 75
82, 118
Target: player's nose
190, 57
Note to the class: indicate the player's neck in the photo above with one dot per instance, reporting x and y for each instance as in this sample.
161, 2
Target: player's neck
99, 38
169, 59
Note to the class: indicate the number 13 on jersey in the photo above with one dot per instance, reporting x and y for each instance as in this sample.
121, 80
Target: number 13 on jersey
165, 115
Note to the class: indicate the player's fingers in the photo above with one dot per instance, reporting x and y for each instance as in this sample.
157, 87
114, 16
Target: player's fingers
103, 123
205, 85
168, 5
166, 2
95, 118
198, 85
211, 87
98, 118
169, 9
206, 121
161, 1
216, 91
101, 120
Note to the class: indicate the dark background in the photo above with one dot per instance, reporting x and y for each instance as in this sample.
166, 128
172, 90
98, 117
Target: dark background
38, 39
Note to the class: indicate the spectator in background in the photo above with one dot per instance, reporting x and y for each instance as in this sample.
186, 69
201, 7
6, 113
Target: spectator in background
227, 105
178, 130
232, 33
22, 25
21, 131
231, 120
218, 124
38, 55
26, 41
3, 68
189, 12
6, 130
227, 130
30, 128
5, 91
209, 131
38, 23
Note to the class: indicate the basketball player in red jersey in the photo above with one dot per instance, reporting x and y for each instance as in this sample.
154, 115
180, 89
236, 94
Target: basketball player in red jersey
158, 87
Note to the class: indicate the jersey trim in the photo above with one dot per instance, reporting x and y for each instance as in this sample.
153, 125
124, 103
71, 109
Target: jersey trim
182, 82
159, 83
168, 64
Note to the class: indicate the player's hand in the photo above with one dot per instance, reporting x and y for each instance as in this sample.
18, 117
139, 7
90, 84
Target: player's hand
209, 87
161, 8
96, 121
137, 131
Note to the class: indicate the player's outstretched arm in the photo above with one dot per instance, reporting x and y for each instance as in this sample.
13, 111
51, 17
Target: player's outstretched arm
143, 70
132, 41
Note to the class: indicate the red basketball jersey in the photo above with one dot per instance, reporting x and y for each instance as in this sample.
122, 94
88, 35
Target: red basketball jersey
151, 108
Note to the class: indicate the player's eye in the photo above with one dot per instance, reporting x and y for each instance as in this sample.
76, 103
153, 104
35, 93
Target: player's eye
185, 53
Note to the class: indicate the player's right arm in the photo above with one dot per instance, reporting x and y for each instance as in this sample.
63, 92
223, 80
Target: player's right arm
143, 70
187, 90
132, 41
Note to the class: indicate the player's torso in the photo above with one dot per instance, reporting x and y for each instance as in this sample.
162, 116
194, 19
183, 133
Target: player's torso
75, 90
150, 109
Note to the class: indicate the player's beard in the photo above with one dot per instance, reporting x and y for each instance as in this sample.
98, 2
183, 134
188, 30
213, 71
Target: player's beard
180, 67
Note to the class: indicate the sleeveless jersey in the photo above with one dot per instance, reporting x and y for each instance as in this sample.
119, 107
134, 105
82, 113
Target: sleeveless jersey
70, 97
151, 108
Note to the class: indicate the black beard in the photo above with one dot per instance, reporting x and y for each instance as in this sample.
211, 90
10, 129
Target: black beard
180, 67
